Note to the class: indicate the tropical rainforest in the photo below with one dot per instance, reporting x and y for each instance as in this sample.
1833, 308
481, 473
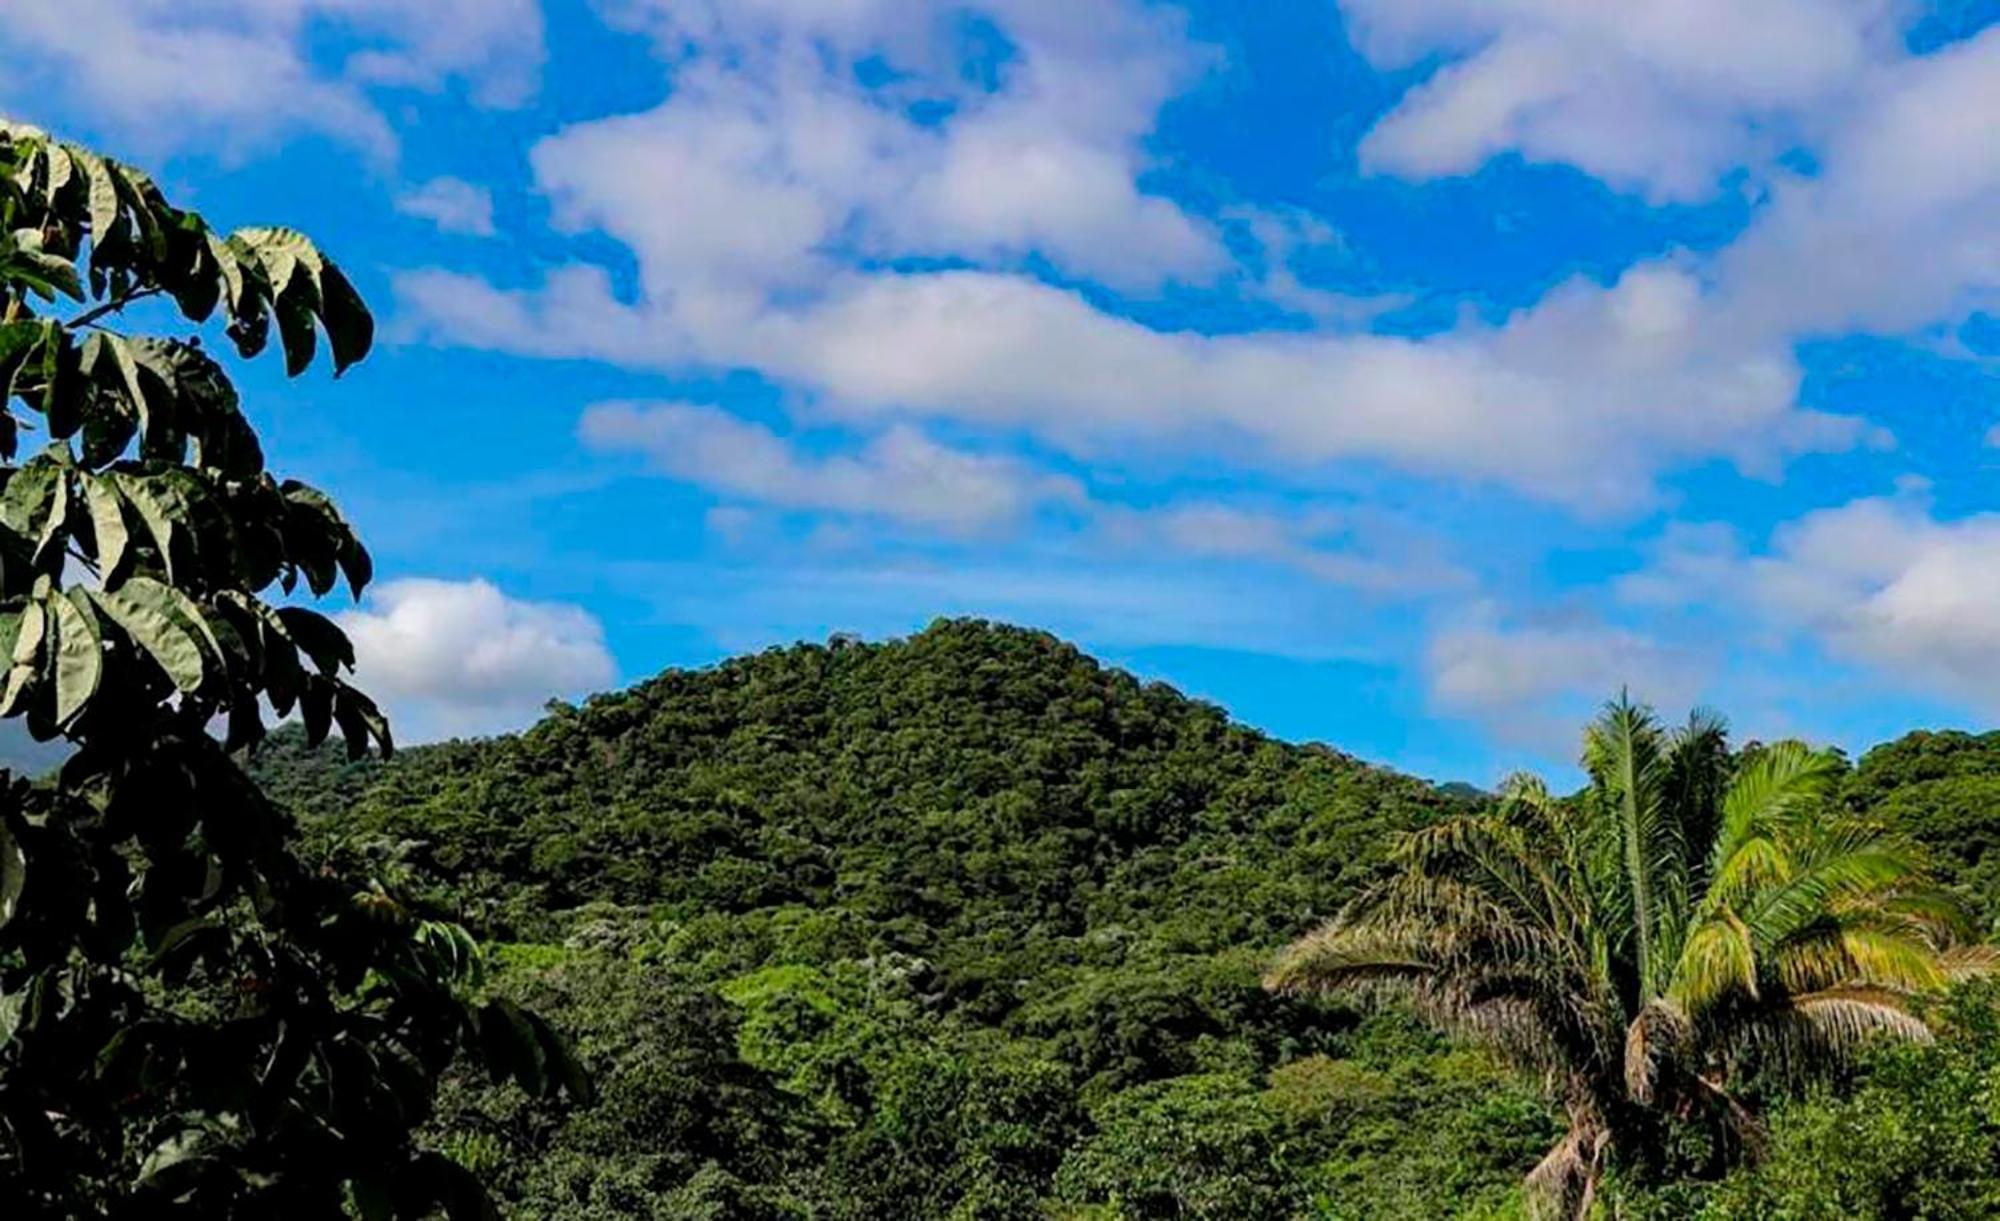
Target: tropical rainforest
964, 925
968, 925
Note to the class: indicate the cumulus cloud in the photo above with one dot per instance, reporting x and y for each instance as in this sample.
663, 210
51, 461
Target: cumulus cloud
1897, 227
452, 204
1900, 228
1666, 98
759, 200
453, 658
770, 150
1579, 400
243, 70
1878, 582
901, 475
1532, 682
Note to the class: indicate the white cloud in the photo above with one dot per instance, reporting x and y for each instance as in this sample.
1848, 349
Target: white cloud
450, 658
1665, 97
901, 475
1353, 548
1878, 582
751, 201
1580, 400
174, 72
769, 152
1897, 228
452, 204
1532, 683
1901, 226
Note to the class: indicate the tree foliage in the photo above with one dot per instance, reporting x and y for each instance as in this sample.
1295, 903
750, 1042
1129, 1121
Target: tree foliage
1919, 1136
1688, 921
967, 925
939, 912
193, 1021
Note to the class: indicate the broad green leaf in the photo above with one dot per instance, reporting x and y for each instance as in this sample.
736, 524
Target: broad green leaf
283, 678
13, 879
295, 332
360, 720
79, 660
59, 274
19, 337
26, 499
19, 342
56, 516
137, 191
333, 543
231, 273
509, 1046
564, 1069
47, 276
10, 631
191, 618
26, 657
350, 329
458, 1192
103, 198
144, 610
285, 254
181, 1147
196, 282
325, 643
107, 519
161, 508
316, 707
12, 1007
102, 346
61, 167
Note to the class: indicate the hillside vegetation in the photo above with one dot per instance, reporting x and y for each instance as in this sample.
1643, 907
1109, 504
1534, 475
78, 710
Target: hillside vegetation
968, 925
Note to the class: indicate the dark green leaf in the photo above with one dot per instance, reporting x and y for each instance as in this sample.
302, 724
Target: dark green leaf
350, 330
147, 612
79, 660
107, 519
13, 877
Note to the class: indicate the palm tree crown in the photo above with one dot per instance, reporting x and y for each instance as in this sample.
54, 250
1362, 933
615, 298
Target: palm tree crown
1691, 915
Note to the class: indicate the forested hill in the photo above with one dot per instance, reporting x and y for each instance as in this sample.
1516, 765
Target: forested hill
963, 925
973, 781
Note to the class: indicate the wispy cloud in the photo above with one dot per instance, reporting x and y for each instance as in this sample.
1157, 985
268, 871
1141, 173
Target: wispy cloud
452, 204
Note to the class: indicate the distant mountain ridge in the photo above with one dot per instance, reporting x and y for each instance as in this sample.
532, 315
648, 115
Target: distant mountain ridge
1003, 767
982, 746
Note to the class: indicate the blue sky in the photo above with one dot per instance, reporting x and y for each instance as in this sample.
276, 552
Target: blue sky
1407, 374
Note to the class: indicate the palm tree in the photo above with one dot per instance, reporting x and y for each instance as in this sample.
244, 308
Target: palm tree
1691, 915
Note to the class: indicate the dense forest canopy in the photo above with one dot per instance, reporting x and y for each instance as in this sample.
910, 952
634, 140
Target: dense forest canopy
969, 925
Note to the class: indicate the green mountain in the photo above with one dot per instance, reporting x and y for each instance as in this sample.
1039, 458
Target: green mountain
961, 925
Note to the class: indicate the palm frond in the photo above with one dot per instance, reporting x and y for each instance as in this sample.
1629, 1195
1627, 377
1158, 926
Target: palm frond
1967, 962
1836, 953
1843, 1018
1698, 769
1806, 1036
1778, 783
1350, 957
1623, 753
1718, 958
1823, 880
